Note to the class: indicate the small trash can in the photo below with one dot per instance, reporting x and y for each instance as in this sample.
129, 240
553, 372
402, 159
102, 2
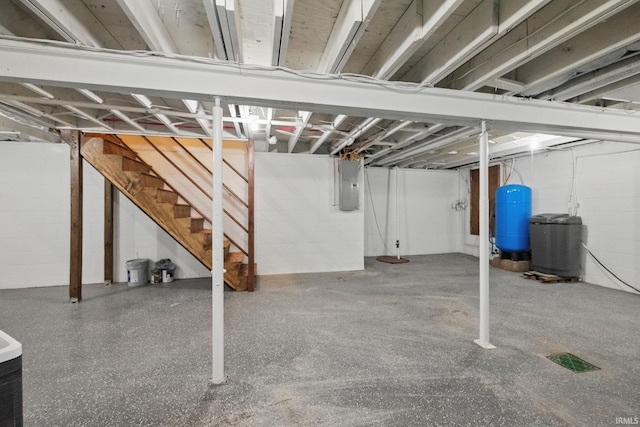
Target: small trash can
555, 244
10, 381
137, 272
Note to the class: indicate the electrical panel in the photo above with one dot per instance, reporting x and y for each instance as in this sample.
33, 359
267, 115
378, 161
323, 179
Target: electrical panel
349, 185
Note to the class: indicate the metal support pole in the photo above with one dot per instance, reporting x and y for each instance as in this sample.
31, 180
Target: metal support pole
217, 271
483, 341
397, 218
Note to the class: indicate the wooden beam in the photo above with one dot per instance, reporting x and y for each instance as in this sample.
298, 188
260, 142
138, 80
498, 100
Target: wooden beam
75, 259
251, 177
108, 231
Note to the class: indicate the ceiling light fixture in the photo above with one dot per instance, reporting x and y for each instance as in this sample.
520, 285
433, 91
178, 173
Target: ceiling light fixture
253, 122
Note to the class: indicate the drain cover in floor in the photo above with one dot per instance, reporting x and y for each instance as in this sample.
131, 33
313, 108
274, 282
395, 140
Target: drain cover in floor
572, 362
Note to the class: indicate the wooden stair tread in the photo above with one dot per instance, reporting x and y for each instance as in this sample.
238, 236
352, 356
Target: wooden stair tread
151, 181
166, 196
110, 147
181, 211
235, 257
130, 165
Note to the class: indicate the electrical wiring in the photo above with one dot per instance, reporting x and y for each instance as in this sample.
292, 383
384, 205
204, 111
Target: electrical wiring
607, 269
375, 217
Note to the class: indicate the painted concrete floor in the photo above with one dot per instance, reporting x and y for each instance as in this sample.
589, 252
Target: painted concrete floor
391, 345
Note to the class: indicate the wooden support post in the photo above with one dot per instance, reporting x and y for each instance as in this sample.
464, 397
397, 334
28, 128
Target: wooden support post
251, 176
75, 259
108, 231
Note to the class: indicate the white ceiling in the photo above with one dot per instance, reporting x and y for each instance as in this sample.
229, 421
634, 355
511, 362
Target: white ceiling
583, 52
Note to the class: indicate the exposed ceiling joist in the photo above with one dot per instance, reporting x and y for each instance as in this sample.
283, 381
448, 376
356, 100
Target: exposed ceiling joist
355, 133
75, 26
14, 125
21, 106
347, 31
350, 25
418, 23
334, 126
469, 36
146, 20
282, 18
374, 158
594, 80
89, 117
552, 25
601, 92
222, 16
384, 134
431, 144
293, 139
588, 46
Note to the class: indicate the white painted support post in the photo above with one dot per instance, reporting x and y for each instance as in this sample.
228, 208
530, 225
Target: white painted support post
217, 270
397, 217
483, 341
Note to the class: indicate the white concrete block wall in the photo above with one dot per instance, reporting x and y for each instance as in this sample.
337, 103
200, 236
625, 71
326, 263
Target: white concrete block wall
428, 224
607, 187
34, 222
34, 214
298, 226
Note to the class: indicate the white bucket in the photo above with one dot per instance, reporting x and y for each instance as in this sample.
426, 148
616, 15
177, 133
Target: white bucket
137, 272
168, 275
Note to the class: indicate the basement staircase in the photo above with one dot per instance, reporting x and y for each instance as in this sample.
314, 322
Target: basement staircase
153, 194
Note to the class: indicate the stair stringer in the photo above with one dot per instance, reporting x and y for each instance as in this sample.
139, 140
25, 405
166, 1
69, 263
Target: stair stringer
132, 185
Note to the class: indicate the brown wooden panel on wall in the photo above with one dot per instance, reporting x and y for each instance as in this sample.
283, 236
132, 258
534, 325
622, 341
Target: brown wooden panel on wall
494, 184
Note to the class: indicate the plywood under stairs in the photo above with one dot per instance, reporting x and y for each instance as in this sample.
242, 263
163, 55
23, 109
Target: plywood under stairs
149, 192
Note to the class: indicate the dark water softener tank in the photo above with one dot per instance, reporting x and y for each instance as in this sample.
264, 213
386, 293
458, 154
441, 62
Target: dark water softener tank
513, 209
555, 244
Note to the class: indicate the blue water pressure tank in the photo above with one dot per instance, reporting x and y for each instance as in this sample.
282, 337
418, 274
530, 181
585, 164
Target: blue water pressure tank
513, 210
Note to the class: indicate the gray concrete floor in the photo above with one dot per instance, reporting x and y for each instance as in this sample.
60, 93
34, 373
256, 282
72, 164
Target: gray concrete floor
390, 345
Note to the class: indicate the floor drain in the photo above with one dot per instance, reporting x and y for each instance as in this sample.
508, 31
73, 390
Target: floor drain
573, 363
